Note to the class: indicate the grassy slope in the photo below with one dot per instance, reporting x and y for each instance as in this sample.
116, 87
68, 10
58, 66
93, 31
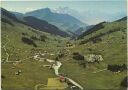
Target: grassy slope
114, 51
112, 47
32, 71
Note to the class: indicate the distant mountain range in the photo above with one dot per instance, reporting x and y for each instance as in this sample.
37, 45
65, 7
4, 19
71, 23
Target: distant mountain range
44, 26
62, 21
65, 22
34, 22
90, 17
70, 20
19, 16
69, 11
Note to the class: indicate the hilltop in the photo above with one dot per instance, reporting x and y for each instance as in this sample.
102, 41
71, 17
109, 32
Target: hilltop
36, 23
65, 22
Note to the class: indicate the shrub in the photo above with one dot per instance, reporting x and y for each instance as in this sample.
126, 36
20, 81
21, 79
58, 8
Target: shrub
29, 28
83, 63
96, 40
57, 58
28, 41
116, 68
34, 38
77, 56
124, 82
59, 41
123, 37
89, 49
24, 34
43, 37
2, 76
60, 55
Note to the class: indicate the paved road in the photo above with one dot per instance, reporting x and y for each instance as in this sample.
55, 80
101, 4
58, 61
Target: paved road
75, 83
56, 68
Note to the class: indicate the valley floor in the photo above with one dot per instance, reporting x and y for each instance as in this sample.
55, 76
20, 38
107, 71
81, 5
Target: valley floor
33, 73
25, 65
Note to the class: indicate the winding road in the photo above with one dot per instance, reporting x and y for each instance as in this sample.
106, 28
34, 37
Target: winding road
56, 68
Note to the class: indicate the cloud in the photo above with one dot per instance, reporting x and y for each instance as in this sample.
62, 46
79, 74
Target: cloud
29, 9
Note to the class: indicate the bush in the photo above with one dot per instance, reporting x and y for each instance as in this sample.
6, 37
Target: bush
96, 40
43, 37
83, 42
89, 49
116, 68
24, 34
77, 56
28, 41
60, 55
124, 83
2, 76
57, 58
34, 38
123, 37
83, 63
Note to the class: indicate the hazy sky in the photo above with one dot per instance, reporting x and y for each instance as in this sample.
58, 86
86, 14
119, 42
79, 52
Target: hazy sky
92, 5
94, 11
